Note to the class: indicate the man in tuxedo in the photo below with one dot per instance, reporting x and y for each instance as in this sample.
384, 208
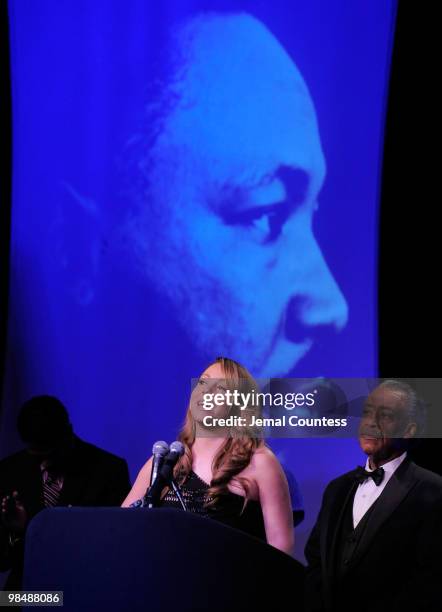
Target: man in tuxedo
377, 541
56, 469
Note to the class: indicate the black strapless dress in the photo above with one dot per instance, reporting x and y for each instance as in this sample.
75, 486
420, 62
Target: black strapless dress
228, 510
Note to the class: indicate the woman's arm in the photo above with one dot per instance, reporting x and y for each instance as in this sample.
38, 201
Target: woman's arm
275, 501
140, 485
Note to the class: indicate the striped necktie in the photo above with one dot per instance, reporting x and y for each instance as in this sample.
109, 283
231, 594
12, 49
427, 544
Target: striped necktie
51, 489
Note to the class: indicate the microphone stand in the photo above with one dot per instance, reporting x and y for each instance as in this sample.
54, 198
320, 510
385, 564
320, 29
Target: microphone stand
165, 478
177, 491
148, 503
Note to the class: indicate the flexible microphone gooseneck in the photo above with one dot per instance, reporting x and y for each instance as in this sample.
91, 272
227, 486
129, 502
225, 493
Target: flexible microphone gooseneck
164, 476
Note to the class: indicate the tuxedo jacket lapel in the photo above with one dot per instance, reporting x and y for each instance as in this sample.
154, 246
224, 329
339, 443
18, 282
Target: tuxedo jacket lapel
397, 488
31, 491
71, 490
76, 477
332, 521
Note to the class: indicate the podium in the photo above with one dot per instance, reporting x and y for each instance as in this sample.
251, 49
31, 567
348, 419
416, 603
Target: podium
132, 559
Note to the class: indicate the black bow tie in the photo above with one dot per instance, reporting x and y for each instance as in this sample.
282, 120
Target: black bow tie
378, 475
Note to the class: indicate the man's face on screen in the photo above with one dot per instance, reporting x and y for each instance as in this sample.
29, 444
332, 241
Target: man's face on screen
224, 226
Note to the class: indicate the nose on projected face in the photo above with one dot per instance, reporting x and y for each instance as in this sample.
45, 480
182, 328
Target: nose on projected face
317, 311
311, 307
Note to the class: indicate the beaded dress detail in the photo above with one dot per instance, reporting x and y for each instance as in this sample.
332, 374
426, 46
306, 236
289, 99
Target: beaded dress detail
228, 510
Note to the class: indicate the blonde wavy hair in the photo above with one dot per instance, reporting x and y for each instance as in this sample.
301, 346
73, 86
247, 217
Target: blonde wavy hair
237, 450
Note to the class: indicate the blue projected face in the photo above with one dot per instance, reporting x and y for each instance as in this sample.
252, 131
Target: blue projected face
222, 224
149, 245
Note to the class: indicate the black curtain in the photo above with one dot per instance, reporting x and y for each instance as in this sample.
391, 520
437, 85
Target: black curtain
409, 261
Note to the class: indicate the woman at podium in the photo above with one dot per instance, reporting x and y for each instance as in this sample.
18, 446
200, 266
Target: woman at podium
227, 472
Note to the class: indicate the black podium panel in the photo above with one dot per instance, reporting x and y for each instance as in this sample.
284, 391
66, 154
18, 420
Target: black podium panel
125, 559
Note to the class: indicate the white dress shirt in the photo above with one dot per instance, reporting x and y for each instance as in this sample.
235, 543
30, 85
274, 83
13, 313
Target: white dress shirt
368, 492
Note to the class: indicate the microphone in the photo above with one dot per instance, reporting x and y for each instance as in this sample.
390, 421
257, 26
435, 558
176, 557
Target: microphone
159, 451
164, 476
177, 447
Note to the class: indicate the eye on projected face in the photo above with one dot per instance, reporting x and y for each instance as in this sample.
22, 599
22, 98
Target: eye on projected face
224, 224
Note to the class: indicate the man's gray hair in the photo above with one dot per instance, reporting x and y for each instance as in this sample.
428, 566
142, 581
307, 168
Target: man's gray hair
417, 408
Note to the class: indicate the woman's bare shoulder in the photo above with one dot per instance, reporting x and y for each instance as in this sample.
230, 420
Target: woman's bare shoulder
264, 455
266, 462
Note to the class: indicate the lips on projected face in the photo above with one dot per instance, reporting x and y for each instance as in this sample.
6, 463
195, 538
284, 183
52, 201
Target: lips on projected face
233, 180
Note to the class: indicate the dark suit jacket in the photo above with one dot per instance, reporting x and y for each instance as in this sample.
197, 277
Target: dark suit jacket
398, 562
92, 477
